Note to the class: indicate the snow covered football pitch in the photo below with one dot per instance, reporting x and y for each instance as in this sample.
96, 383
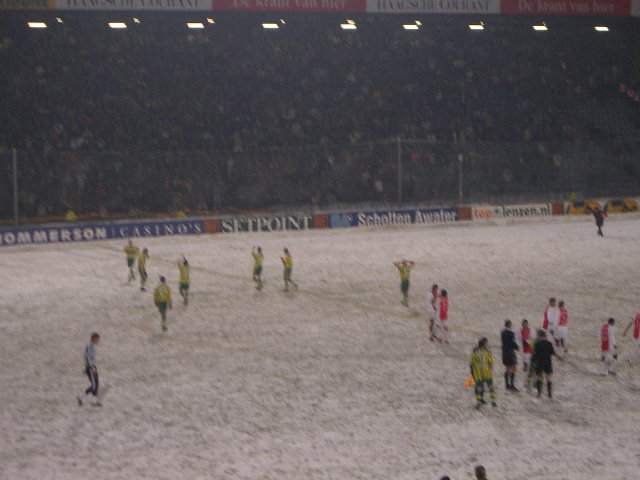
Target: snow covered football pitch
336, 380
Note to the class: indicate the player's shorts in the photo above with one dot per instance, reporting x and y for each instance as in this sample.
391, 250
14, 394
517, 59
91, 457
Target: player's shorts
162, 306
479, 383
257, 270
509, 359
184, 286
560, 333
287, 273
143, 273
526, 358
404, 286
130, 262
546, 368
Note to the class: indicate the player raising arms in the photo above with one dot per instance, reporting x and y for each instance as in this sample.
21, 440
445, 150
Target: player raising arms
184, 279
132, 252
432, 310
481, 365
162, 299
287, 262
142, 268
405, 267
635, 321
258, 257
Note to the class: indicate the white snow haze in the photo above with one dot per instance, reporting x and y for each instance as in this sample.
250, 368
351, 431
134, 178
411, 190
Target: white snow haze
334, 380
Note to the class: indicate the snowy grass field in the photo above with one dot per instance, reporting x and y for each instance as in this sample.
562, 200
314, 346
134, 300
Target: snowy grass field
336, 380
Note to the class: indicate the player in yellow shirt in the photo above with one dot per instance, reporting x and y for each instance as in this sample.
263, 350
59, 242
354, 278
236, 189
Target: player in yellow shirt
482, 372
184, 279
132, 252
258, 257
287, 262
162, 299
404, 267
142, 268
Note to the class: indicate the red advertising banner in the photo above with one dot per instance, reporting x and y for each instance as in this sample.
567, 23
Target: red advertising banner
307, 6
605, 8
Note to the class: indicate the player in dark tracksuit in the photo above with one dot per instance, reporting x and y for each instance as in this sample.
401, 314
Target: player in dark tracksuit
599, 215
542, 362
91, 368
509, 360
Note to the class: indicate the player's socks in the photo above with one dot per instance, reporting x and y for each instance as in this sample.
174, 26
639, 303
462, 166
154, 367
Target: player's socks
513, 384
539, 387
506, 381
549, 391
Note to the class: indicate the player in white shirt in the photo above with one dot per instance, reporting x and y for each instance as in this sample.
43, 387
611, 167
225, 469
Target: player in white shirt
551, 316
608, 349
432, 310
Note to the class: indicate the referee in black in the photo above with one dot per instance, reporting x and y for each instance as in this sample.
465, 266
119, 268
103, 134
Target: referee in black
541, 359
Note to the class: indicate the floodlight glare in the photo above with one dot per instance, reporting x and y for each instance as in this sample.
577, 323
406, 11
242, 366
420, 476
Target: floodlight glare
136, 20
270, 26
601, 29
210, 20
59, 20
410, 26
540, 28
37, 24
419, 23
117, 25
348, 26
476, 26
197, 25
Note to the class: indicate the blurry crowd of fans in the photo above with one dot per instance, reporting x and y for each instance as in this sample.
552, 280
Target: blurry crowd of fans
158, 117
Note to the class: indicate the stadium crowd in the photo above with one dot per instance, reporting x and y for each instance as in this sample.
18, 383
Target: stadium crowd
158, 117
